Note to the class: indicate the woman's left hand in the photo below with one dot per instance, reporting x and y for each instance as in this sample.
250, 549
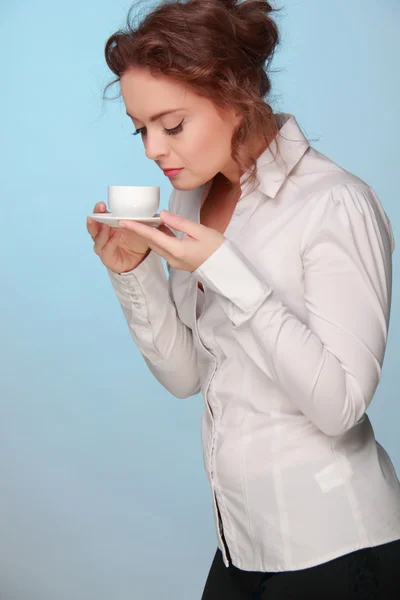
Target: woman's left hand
186, 253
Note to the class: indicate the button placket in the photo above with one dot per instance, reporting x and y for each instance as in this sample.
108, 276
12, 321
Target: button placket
207, 394
236, 218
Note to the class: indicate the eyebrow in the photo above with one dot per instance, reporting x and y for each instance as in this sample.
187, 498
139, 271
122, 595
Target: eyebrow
158, 115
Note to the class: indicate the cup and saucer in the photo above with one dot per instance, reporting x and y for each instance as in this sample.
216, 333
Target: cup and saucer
131, 203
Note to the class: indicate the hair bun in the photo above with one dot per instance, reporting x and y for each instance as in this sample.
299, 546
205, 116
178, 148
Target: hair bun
256, 30
259, 4
228, 3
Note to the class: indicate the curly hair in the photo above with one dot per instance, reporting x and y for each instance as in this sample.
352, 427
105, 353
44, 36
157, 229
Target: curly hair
220, 48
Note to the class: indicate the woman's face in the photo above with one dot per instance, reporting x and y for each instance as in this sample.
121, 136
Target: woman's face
199, 137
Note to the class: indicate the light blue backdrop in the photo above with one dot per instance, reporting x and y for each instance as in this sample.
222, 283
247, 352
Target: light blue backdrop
102, 489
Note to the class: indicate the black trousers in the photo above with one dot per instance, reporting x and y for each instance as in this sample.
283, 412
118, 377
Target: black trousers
367, 574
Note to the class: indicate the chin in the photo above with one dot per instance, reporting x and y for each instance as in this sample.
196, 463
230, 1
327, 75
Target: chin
187, 187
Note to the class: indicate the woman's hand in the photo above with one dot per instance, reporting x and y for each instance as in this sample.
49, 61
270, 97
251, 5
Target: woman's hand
187, 253
120, 250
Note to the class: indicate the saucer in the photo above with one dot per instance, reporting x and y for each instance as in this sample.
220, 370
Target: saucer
112, 221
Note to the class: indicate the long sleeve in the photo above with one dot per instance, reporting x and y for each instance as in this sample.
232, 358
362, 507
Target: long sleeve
331, 364
165, 342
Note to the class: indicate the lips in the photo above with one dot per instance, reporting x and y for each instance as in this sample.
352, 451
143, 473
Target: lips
171, 172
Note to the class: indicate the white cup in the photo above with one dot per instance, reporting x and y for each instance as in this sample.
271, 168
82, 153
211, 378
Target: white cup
133, 200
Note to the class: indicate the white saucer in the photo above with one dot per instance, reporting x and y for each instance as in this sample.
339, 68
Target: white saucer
111, 221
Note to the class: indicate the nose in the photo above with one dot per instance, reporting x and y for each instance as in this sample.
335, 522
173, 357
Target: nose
155, 146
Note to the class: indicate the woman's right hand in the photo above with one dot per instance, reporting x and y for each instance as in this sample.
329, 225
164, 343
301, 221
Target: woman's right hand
119, 250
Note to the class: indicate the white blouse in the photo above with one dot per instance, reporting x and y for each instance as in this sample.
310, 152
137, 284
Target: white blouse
286, 345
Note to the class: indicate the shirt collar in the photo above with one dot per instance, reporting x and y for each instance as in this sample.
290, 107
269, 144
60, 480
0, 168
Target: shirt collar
272, 172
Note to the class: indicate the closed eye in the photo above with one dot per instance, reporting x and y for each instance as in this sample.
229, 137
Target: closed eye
173, 131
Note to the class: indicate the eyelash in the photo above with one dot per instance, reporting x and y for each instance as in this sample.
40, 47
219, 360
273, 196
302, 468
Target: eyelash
173, 131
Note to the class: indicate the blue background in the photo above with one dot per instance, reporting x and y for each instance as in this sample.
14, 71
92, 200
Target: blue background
102, 488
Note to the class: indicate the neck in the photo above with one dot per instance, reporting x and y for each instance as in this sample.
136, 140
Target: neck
232, 174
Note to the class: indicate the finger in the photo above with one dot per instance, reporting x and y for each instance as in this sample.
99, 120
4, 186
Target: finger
93, 227
113, 241
179, 223
153, 236
100, 207
103, 237
161, 252
165, 229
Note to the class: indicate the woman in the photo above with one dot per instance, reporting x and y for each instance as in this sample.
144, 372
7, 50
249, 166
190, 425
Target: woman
276, 307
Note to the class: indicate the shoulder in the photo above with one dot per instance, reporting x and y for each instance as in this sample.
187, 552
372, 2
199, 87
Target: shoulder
320, 182
316, 174
334, 198
348, 208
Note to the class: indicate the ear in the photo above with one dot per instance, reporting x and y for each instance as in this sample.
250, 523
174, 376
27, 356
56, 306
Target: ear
238, 117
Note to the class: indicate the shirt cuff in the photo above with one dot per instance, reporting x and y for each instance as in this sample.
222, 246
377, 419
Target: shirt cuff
238, 286
143, 288
152, 263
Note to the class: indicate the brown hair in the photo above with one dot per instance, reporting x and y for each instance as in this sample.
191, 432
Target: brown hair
220, 48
